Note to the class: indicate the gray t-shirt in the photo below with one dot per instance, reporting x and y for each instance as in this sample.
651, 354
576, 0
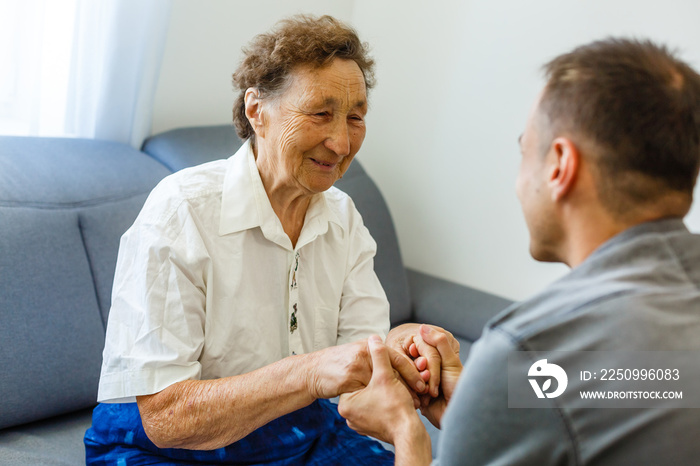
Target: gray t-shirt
640, 291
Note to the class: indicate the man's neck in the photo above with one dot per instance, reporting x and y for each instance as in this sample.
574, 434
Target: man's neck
589, 237
586, 233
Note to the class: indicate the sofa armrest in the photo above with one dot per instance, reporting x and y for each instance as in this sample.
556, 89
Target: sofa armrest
460, 309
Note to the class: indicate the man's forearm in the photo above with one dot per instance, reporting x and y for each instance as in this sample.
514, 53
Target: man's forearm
210, 414
412, 445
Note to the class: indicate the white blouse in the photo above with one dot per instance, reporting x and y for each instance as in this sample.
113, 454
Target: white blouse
208, 285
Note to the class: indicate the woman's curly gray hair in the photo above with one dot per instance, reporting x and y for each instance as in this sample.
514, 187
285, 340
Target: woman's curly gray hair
300, 40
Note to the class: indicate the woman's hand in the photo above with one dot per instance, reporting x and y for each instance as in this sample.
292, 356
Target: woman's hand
347, 368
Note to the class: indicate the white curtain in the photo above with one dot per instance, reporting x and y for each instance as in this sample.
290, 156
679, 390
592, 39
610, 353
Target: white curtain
82, 68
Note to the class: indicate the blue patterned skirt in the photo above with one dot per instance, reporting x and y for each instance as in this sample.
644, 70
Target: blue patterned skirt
315, 435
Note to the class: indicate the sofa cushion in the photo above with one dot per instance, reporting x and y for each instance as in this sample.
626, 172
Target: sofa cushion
54, 441
102, 227
185, 147
52, 334
64, 203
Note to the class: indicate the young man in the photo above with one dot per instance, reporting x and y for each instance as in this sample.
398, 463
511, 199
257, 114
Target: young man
610, 155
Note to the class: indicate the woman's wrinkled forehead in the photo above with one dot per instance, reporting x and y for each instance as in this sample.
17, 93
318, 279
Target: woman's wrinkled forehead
339, 84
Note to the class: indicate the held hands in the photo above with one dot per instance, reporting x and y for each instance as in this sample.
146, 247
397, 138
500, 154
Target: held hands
383, 408
348, 368
426, 358
450, 369
435, 353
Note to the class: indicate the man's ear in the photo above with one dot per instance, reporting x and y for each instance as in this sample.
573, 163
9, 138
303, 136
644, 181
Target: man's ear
253, 111
564, 168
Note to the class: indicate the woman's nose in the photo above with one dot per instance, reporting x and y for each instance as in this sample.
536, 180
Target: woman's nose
339, 139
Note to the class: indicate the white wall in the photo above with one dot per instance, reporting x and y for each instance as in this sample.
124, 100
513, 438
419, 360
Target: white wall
455, 82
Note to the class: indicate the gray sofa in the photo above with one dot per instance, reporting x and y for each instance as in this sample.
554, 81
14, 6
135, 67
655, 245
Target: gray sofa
64, 204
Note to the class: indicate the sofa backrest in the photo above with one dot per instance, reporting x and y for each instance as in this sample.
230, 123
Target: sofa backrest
64, 204
185, 147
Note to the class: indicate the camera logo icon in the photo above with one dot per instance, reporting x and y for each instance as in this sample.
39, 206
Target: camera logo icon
541, 369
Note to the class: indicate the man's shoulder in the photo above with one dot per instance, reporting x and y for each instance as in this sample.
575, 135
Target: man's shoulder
587, 313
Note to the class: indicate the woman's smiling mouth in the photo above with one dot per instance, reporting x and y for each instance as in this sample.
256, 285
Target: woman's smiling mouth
326, 166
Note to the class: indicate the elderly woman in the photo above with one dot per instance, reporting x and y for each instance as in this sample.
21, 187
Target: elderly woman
245, 291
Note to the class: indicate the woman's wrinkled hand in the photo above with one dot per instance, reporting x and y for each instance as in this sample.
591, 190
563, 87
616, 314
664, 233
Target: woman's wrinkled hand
348, 368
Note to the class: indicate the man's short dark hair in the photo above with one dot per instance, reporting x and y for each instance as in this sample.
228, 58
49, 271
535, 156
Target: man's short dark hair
639, 106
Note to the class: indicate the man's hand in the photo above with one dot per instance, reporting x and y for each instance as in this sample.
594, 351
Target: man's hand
384, 410
426, 357
385, 405
450, 371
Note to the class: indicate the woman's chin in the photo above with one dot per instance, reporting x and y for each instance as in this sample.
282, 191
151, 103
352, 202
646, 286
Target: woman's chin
319, 184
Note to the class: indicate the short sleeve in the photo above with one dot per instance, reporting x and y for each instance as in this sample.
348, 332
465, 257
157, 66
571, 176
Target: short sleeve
155, 331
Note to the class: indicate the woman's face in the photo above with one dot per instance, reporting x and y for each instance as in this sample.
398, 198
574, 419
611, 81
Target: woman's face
311, 133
